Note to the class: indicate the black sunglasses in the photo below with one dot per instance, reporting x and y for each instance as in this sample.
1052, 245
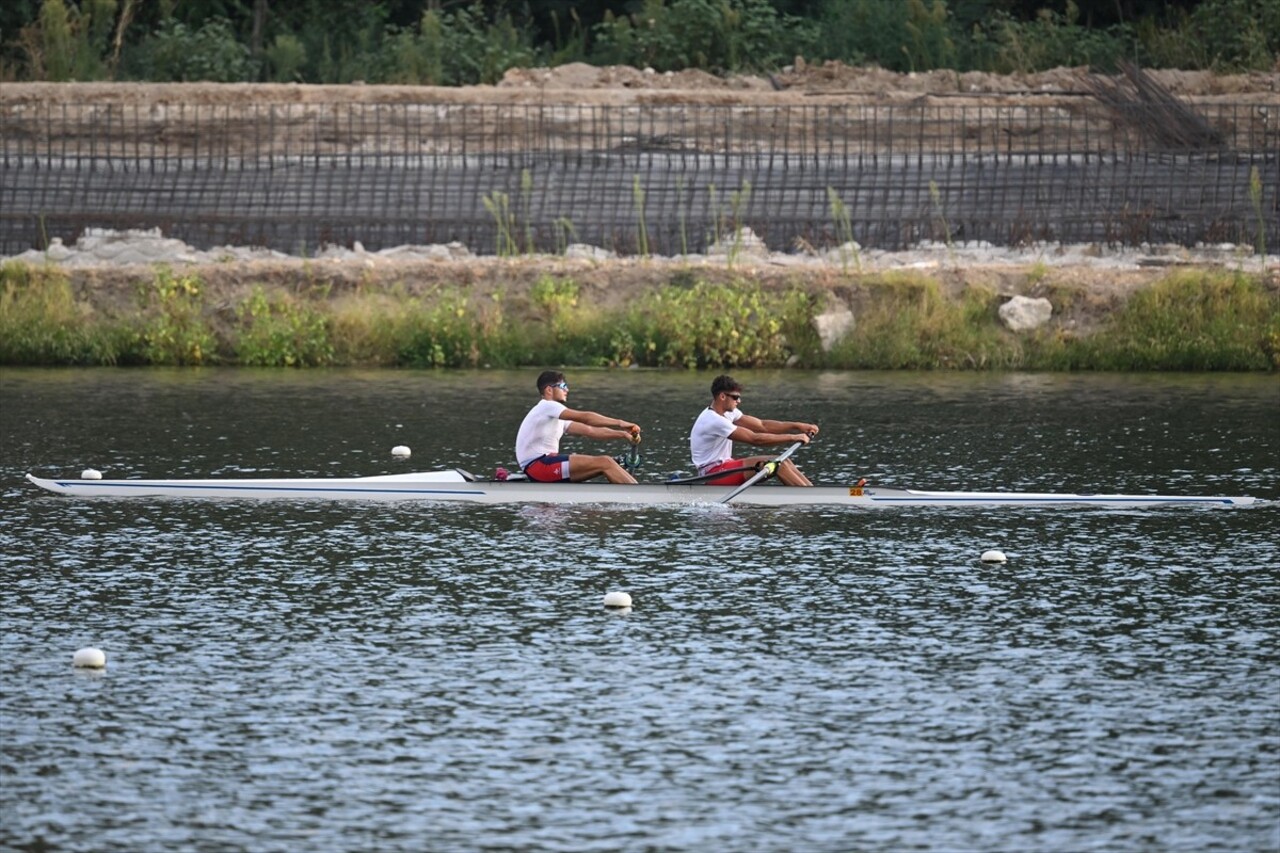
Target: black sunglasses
733, 396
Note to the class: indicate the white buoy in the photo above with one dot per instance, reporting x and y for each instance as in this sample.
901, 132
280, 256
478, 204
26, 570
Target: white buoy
90, 474
617, 599
994, 557
400, 451
89, 659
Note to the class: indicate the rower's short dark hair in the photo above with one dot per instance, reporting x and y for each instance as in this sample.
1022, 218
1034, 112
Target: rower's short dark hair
723, 383
547, 378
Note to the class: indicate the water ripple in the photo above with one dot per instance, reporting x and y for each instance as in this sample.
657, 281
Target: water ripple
339, 677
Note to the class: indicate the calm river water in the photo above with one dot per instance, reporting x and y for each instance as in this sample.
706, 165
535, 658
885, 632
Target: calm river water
341, 677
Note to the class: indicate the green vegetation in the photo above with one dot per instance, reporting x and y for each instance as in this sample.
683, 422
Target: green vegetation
908, 323
1255, 198
642, 227
844, 230
281, 330
457, 329
411, 42
1190, 321
1195, 320
172, 327
42, 322
716, 325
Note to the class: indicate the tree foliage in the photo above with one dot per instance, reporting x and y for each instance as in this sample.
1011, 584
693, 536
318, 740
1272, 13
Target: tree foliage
455, 42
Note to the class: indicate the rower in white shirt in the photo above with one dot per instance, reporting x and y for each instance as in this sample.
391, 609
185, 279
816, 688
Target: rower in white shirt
723, 422
538, 442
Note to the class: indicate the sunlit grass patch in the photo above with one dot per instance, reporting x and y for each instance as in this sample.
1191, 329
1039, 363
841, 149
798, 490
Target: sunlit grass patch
42, 322
1193, 320
907, 322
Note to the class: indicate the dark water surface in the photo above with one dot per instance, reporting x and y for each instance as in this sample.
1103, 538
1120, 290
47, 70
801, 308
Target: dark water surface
339, 677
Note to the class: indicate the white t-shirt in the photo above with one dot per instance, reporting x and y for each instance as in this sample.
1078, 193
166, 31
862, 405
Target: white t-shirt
540, 431
709, 441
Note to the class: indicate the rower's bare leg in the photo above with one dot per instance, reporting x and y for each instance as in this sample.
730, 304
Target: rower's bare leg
791, 475
583, 467
788, 473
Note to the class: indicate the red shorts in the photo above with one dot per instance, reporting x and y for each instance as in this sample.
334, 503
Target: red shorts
548, 469
740, 475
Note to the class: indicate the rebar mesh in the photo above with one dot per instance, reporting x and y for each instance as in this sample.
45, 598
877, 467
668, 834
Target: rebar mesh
659, 178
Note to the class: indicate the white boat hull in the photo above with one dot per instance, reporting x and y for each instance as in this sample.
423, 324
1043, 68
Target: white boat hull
453, 486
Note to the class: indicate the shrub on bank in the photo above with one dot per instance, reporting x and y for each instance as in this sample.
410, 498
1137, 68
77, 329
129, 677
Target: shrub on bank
171, 325
1198, 320
280, 330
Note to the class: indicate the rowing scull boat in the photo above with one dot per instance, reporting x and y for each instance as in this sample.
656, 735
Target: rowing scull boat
458, 485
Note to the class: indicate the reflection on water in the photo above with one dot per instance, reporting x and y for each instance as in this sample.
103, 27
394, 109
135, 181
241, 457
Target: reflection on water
348, 676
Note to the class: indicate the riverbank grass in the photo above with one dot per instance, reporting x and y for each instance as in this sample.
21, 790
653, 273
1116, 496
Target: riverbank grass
1191, 320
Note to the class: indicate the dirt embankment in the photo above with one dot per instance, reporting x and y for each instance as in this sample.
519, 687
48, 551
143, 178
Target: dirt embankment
1083, 286
577, 83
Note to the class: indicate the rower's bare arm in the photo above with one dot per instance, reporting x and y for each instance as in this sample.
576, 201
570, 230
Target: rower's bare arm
788, 427
601, 433
766, 439
595, 419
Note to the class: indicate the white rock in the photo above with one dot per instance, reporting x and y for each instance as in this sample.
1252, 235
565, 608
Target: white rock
581, 251
845, 253
438, 253
31, 257
743, 242
1022, 313
57, 251
832, 326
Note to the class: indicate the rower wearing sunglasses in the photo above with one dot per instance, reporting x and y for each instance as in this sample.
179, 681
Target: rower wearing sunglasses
722, 423
538, 442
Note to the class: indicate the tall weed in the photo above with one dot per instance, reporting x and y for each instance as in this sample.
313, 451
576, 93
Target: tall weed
1189, 321
1055, 39
42, 323
907, 322
179, 53
374, 329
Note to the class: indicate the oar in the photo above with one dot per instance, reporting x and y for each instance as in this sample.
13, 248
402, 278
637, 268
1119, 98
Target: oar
766, 470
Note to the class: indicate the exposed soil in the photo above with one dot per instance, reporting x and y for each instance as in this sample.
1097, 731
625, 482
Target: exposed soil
577, 83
